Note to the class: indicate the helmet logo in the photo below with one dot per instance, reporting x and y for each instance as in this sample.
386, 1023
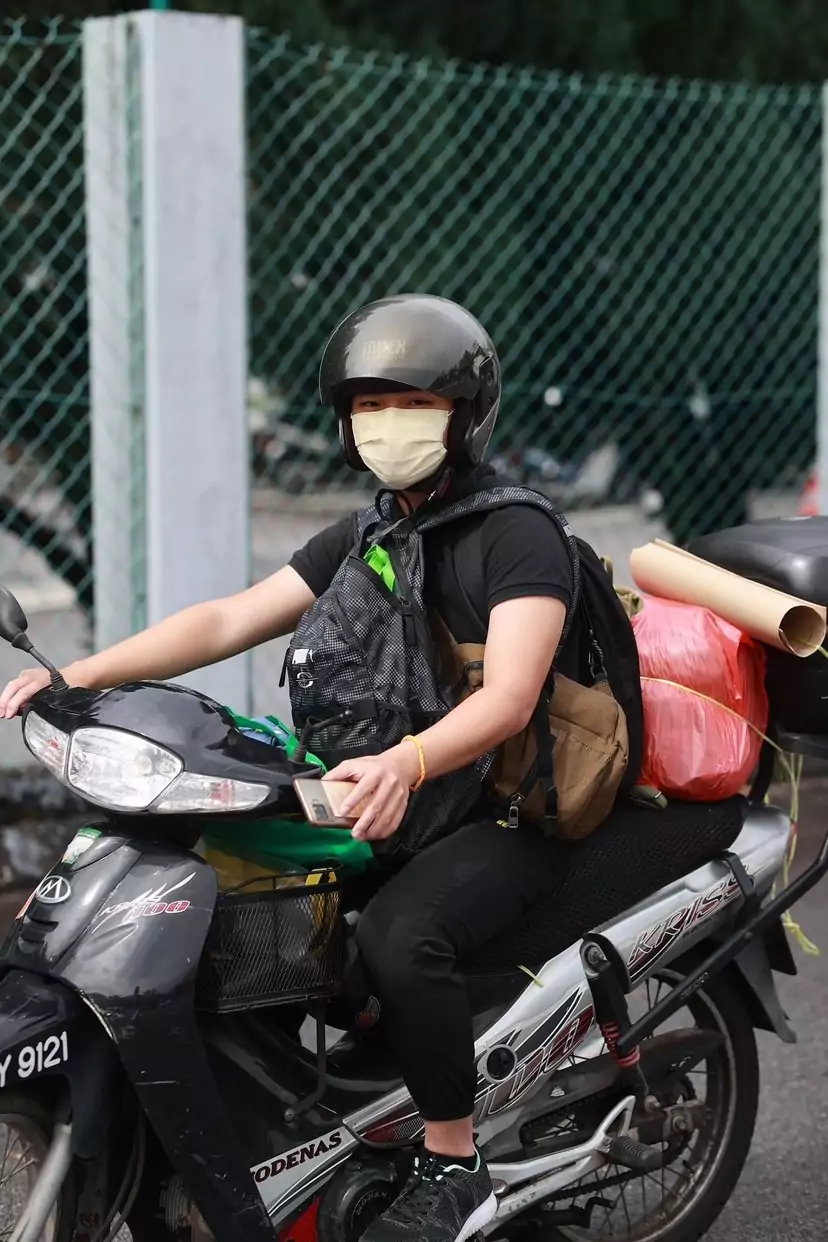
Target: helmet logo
379, 350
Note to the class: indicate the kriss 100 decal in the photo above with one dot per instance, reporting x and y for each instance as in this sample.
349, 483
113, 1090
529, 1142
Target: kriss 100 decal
652, 943
559, 1036
146, 905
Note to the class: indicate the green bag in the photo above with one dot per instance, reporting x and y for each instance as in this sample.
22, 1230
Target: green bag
286, 845
269, 845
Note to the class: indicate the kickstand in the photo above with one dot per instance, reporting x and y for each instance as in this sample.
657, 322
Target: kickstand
304, 1105
536, 1228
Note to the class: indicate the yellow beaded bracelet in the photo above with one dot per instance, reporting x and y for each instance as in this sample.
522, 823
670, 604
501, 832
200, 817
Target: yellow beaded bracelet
409, 737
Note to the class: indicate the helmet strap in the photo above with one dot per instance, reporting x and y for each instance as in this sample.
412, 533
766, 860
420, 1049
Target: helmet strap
461, 426
436, 487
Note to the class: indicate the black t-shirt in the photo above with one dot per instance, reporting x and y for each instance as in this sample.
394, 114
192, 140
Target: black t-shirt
523, 554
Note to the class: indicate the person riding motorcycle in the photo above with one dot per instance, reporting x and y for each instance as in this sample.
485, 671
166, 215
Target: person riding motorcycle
414, 383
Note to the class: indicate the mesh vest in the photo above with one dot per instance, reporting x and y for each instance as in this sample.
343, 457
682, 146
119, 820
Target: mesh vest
362, 665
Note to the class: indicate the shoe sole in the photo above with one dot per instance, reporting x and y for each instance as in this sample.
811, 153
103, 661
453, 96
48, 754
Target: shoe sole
478, 1219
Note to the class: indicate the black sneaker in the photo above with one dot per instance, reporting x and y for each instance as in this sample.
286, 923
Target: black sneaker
439, 1203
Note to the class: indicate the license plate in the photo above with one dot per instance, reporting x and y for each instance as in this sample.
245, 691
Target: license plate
46, 1054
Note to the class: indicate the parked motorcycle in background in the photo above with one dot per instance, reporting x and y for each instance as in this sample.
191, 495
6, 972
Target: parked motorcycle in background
808, 505
579, 476
285, 454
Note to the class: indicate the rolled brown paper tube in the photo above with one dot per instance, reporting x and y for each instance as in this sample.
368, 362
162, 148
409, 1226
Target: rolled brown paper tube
780, 620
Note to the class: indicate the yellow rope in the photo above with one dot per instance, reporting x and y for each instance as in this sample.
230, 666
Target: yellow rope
537, 982
807, 946
792, 765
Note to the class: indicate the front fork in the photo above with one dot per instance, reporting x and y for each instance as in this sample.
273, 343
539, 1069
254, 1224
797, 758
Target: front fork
46, 1189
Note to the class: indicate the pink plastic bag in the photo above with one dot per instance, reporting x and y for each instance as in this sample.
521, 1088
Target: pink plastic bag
693, 748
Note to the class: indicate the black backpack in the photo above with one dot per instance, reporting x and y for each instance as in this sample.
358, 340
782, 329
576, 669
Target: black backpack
363, 667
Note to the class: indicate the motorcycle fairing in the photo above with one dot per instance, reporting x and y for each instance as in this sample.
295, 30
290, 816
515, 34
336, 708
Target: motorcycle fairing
129, 939
46, 1031
553, 1017
303, 1168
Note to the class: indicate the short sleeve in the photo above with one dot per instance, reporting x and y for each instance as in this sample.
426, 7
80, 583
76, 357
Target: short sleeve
323, 554
524, 554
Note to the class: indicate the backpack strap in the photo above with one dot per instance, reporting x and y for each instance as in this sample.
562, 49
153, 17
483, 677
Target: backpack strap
373, 528
474, 592
498, 498
374, 532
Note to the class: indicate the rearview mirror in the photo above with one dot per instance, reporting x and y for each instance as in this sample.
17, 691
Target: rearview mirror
13, 621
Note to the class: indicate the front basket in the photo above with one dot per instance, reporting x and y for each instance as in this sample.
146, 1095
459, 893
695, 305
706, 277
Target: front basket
272, 942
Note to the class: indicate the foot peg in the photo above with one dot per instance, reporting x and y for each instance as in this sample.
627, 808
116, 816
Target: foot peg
631, 1154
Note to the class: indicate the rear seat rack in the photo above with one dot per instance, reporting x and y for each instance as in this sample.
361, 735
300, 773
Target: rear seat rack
750, 926
609, 979
746, 885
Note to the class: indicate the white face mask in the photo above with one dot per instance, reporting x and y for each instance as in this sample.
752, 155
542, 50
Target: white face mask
401, 447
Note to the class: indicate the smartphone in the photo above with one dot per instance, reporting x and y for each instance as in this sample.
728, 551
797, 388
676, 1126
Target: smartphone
322, 801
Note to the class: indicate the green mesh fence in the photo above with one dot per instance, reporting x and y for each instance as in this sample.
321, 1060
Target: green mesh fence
44, 427
644, 255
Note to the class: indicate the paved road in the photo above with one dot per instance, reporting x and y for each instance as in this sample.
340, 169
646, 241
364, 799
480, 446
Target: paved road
783, 1194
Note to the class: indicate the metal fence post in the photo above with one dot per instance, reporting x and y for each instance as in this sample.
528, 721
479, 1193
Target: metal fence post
822, 340
106, 94
188, 390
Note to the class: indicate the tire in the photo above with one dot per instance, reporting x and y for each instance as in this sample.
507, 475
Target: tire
29, 1111
717, 1005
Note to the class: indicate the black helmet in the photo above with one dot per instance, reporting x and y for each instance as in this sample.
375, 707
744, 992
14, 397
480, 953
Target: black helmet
415, 341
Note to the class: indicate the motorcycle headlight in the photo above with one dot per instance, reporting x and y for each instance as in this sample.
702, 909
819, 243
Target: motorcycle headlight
124, 772
191, 792
46, 743
119, 770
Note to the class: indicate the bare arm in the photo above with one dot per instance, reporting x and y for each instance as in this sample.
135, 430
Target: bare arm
520, 647
191, 639
522, 640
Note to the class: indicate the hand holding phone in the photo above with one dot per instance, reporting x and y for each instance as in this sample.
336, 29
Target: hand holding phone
322, 801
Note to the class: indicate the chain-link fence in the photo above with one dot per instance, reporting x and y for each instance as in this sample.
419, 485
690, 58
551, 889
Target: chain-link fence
644, 255
45, 509
44, 428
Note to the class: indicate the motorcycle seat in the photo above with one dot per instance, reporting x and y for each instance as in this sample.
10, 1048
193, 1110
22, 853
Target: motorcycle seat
633, 854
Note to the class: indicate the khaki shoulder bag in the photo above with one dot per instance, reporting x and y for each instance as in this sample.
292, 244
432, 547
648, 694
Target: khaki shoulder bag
563, 771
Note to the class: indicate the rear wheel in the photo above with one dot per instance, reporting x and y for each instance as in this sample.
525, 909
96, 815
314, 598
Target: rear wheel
25, 1136
680, 1202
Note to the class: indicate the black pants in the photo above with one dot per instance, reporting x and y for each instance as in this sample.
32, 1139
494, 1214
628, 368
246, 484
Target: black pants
415, 934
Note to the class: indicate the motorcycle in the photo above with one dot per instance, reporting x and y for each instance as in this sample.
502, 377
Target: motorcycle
195, 1063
